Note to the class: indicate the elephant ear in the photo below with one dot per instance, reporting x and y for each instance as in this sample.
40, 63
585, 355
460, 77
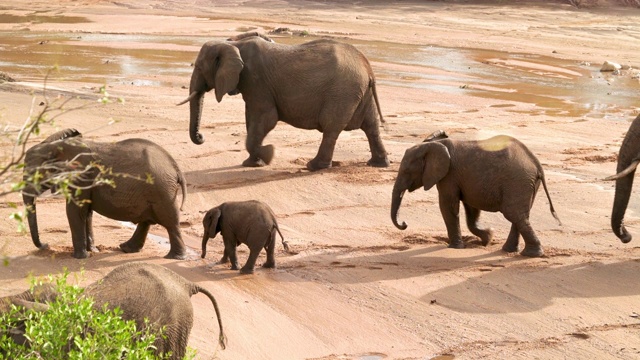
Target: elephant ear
437, 161
211, 222
230, 65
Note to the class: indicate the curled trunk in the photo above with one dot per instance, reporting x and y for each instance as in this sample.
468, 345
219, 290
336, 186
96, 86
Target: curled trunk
396, 200
620, 202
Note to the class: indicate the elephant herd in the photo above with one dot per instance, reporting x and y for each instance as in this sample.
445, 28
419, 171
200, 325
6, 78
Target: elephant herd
323, 85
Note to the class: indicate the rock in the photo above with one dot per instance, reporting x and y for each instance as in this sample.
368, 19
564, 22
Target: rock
610, 66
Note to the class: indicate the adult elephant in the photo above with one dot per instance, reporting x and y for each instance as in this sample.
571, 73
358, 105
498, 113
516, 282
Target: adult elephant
323, 85
495, 174
146, 181
151, 295
628, 160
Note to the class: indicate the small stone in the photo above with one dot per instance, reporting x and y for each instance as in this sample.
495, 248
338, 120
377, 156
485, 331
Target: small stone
610, 66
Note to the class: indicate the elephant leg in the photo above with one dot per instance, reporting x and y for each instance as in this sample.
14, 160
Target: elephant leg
77, 217
230, 249
325, 152
254, 252
259, 124
378, 153
472, 223
225, 257
137, 240
511, 245
178, 250
532, 246
90, 242
450, 209
270, 248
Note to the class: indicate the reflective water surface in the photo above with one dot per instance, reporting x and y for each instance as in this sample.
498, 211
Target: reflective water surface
557, 87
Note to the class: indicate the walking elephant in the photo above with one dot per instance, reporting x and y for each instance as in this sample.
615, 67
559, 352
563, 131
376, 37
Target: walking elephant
142, 291
496, 174
323, 85
243, 222
628, 160
146, 180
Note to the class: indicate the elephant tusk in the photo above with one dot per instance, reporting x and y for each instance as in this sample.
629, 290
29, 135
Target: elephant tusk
191, 96
624, 172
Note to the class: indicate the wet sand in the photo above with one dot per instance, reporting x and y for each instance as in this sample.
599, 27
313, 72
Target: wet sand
358, 288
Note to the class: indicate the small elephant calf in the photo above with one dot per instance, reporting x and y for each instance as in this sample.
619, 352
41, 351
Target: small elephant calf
496, 174
250, 222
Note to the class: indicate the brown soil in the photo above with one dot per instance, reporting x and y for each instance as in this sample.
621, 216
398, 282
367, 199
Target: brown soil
356, 287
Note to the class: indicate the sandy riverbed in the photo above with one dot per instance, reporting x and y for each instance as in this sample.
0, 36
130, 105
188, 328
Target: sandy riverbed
358, 287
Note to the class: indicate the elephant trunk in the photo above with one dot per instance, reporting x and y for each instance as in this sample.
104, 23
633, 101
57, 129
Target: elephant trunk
196, 98
620, 202
205, 240
29, 199
396, 200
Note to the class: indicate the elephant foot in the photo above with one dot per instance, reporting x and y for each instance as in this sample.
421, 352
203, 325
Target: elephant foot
380, 162
251, 162
82, 254
176, 255
315, 165
234, 267
269, 265
128, 248
245, 270
459, 244
266, 153
510, 248
93, 248
532, 251
486, 237
224, 260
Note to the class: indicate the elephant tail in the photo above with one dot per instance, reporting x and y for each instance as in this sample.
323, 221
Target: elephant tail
183, 186
372, 85
546, 191
222, 338
285, 243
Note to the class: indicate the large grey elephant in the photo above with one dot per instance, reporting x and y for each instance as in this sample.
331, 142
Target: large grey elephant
243, 222
628, 160
496, 174
142, 291
323, 85
129, 163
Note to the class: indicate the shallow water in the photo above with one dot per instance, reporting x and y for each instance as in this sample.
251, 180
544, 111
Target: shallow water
557, 87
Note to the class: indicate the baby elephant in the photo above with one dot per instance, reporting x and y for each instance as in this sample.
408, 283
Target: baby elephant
496, 174
250, 222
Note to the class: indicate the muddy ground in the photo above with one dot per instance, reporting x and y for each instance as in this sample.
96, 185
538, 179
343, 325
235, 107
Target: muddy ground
358, 288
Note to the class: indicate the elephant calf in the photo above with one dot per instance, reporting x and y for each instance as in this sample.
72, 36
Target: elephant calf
250, 222
128, 163
496, 174
142, 291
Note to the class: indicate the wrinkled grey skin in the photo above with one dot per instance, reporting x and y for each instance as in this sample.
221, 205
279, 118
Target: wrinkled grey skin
323, 85
141, 291
628, 159
496, 174
132, 199
243, 222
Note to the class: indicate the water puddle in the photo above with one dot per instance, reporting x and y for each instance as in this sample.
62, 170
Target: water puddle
35, 19
557, 87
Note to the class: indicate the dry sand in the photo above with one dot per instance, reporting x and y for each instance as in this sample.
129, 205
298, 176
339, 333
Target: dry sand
358, 288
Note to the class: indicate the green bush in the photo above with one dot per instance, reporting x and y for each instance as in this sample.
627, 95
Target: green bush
72, 329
